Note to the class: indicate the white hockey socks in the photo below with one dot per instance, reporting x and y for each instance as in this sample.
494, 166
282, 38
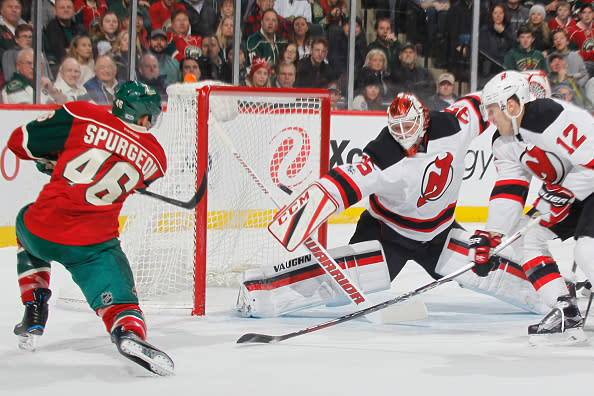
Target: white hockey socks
507, 283
300, 282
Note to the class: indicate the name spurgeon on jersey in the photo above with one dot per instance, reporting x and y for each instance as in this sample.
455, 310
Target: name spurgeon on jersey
120, 145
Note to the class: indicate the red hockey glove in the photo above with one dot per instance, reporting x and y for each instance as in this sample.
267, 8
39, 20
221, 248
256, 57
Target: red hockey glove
481, 244
553, 202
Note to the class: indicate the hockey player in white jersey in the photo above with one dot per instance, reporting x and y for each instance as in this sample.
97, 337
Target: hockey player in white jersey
411, 173
552, 140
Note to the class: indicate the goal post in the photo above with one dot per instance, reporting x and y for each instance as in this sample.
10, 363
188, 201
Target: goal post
283, 134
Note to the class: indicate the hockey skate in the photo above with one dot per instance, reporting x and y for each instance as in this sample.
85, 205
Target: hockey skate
34, 319
141, 352
564, 325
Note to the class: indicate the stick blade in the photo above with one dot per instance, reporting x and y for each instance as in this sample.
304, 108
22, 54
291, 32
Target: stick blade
252, 338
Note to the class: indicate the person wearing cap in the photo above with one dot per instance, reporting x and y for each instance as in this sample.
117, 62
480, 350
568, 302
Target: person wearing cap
371, 97
259, 74
386, 40
583, 36
408, 77
336, 98
524, 56
575, 64
167, 65
444, 96
540, 28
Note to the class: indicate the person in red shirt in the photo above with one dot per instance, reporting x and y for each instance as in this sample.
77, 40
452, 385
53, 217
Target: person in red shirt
181, 35
96, 159
160, 12
90, 10
563, 19
583, 36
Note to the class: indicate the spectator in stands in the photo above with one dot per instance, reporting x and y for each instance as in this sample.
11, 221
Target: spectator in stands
459, 29
376, 65
338, 49
291, 9
81, 49
225, 34
560, 75
540, 28
147, 72
408, 77
266, 43
313, 71
590, 90
89, 11
190, 66
286, 74
119, 54
253, 22
335, 11
23, 37
575, 64
259, 74
445, 93
68, 79
336, 98
104, 33
518, 15
243, 63
371, 97
203, 17
495, 41
583, 36
122, 9
212, 65
289, 53
563, 19
19, 89
10, 10
141, 31
59, 32
102, 87
227, 7
436, 15
523, 56
565, 91
160, 13
182, 35
301, 35
386, 40
167, 65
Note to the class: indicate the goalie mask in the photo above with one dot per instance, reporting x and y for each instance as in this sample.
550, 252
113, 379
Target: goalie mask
507, 85
134, 100
408, 120
538, 84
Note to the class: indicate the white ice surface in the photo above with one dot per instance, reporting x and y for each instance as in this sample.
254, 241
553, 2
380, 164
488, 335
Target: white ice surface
470, 345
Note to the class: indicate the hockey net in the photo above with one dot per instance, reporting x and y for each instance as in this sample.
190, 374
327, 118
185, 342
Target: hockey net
282, 134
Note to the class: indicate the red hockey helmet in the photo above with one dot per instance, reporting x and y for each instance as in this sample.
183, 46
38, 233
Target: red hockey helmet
408, 120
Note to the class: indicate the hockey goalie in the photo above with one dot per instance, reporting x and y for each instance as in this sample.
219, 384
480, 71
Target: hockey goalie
410, 176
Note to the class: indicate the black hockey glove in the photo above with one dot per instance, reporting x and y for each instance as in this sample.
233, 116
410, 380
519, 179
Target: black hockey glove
480, 247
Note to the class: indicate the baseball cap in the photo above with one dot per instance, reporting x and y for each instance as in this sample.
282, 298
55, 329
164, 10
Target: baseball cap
158, 32
408, 45
449, 77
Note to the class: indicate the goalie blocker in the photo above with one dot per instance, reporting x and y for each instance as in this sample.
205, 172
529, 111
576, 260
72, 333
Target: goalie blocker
300, 283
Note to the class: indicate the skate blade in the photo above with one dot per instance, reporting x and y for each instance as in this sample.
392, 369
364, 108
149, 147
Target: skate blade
28, 342
156, 361
569, 337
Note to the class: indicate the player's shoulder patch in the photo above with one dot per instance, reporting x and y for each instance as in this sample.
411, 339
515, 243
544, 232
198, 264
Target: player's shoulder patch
540, 114
84, 110
442, 124
384, 150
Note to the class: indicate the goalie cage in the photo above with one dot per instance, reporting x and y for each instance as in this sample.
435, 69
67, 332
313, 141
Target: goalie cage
283, 135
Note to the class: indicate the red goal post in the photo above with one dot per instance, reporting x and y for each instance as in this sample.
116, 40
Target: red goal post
283, 134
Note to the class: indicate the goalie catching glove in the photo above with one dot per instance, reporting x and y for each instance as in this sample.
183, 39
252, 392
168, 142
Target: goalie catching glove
553, 202
481, 244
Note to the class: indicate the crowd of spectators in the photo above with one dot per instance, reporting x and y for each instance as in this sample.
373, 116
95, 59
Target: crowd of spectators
294, 43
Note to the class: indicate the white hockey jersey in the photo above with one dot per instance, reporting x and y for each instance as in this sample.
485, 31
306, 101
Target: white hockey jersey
415, 196
556, 144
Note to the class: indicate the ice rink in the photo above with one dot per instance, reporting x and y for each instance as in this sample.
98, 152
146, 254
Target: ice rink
470, 344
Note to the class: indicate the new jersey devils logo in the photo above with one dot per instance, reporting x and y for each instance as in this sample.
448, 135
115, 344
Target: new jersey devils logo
544, 164
289, 164
436, 179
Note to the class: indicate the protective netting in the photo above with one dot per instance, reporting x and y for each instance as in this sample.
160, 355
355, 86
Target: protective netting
278, 136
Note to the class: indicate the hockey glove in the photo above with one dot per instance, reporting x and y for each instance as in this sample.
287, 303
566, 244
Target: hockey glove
481, 244
553, 202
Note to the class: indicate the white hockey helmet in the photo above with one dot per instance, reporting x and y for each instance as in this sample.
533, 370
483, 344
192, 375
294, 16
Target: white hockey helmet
408, 120
539, 85
506, 85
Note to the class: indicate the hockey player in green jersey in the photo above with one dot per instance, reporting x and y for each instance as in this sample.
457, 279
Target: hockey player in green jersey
96, 159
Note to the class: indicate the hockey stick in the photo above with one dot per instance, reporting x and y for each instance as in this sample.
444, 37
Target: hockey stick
191, 204
325, 261
267, 339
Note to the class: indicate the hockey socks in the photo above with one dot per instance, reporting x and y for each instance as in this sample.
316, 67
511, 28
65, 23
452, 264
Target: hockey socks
127, 316
33, 273
130, 345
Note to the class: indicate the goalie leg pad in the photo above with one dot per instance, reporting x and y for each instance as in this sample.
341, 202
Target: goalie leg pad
300, 283
507, 283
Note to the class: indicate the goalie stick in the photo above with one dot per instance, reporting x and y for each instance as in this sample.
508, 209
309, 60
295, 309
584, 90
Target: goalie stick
267, 339
323, 258
191, 204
